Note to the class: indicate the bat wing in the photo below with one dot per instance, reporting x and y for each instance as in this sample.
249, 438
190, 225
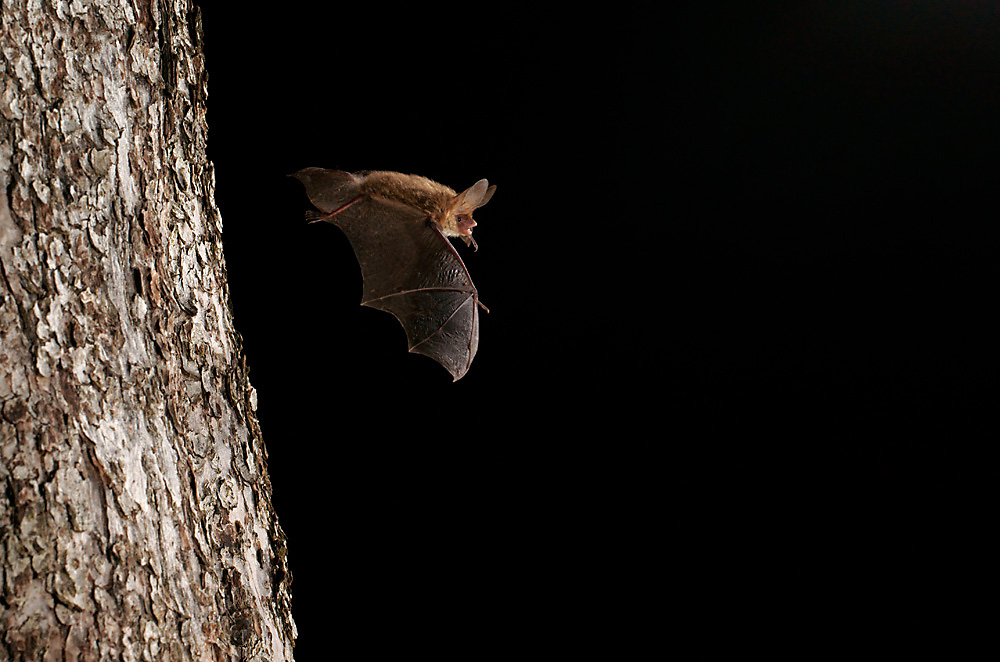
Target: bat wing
409, 267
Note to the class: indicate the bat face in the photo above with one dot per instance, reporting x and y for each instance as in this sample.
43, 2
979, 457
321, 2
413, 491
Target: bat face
398, 226
458, 221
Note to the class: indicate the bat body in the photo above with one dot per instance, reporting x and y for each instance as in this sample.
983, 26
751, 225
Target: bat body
399, 226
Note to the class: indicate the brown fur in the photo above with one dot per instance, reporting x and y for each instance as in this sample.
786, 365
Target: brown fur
420, 192
440, 202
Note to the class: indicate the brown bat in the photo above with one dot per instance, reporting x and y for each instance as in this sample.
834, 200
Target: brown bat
399, 227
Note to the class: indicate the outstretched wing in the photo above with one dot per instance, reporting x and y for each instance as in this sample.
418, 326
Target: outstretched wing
409, 267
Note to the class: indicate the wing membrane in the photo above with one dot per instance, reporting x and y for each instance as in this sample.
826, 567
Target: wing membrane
411, 270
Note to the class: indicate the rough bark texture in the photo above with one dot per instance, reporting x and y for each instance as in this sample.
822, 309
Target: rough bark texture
135, 514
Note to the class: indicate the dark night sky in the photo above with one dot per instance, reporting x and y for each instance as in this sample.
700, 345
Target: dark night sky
722, 235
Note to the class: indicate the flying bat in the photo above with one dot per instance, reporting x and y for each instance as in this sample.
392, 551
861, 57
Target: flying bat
399, 226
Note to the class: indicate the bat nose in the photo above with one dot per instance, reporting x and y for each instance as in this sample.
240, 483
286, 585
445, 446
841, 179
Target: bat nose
465, 225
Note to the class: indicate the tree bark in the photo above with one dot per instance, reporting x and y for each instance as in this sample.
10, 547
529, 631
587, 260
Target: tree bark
136, 519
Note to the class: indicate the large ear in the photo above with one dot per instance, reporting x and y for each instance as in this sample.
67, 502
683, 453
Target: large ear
474, 197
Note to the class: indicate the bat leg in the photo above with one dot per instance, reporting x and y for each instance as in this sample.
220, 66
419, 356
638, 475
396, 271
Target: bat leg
326, 217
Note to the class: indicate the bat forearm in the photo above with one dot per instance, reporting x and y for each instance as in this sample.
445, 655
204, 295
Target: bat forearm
327, 217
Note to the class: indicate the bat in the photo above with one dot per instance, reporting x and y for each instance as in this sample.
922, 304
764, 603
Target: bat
399, 226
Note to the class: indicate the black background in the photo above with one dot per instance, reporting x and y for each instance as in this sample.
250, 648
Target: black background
733, 245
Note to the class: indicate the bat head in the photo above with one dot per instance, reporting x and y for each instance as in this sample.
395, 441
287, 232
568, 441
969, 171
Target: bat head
458, 221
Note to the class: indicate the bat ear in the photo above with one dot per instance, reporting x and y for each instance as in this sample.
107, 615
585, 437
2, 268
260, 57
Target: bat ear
489, 194
474, 197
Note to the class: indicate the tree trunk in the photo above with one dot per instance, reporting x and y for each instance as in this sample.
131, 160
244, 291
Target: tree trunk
136, 519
